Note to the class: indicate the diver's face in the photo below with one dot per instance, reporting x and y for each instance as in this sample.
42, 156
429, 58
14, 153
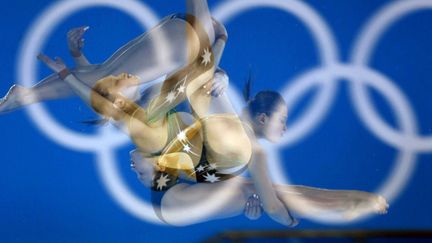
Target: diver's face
275, 125
129, 87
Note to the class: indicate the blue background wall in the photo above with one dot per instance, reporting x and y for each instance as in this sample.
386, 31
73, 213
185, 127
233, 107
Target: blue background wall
50, 193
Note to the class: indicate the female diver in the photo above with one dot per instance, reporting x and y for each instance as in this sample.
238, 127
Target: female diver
188, 48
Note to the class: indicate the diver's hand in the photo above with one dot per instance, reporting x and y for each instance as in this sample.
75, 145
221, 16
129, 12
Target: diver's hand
279, 213
144, 169
57, 66
76, 41
220, 83
253, 209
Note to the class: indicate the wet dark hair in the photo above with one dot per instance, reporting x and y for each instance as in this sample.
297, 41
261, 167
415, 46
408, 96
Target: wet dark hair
95, 122
264, 101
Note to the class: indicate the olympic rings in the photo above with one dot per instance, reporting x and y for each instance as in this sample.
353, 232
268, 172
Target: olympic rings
327, 76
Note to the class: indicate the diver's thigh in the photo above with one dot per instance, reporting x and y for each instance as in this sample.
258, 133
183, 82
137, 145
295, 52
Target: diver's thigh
225, 136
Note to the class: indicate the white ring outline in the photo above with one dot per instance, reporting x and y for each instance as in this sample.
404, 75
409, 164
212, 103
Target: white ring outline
364, 46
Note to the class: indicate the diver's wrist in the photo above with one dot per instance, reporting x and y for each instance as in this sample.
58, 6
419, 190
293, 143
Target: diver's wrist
76, 53
64, 73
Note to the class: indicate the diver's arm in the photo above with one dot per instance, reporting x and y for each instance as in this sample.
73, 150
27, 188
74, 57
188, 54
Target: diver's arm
81, 60
221, 80
76, 44
58, 66
79, 87
264, 187
218, 49
88, 94
258, 170
221, 36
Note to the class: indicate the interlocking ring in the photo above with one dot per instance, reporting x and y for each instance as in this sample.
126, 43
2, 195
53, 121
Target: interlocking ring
327, 50
408, 138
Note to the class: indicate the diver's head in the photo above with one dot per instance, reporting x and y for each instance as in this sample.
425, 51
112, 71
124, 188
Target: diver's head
111, 94
267, 113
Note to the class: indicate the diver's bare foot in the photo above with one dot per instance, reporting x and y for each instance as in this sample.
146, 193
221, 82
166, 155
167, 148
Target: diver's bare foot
294, 223
14, 98
372, 204
381, 205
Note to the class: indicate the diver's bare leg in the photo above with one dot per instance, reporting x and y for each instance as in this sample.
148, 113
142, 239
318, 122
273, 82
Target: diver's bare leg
348, 204
19, 96
199, 8
302, 201
159, 51
177, 203
51, 87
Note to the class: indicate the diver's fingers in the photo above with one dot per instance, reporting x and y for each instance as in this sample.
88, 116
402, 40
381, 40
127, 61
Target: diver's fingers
261, 210
247, 208
254, 213
71, 32
81, 32
252, 208
207, 87
74, 34
76, 40
257, 207
81, 42
75, 37
216, 87
249, 211
220, 90
77, 32
44, 58
85, 28
59, 61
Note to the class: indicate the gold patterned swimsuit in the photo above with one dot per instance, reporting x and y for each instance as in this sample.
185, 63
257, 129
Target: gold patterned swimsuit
191, 164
